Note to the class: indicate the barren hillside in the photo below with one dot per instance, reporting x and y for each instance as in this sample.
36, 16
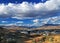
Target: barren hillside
38, 28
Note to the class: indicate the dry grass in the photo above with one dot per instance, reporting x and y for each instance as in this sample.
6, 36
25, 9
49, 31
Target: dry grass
48, 39
53, 39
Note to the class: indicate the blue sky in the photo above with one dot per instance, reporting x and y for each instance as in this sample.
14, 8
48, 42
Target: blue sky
29, 12
20, 1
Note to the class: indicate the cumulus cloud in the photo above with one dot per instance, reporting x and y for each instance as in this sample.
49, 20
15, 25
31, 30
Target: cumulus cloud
19, 22
36, 20
4, 21
25, 9
50, 20
55, 20
10, 23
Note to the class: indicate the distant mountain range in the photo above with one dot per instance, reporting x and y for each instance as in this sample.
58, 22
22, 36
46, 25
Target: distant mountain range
46, 26
51, 25
17, 28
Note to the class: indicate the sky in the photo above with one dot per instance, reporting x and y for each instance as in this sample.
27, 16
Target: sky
29, 12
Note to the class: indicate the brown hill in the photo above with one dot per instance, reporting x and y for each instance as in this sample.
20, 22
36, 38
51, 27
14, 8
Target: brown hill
39, 28
48, 27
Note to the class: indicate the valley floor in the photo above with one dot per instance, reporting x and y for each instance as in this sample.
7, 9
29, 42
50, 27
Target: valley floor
45, 39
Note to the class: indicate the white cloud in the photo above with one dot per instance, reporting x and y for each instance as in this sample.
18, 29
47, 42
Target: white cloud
36, 20
55, 20
23, 17
7, 24
45, 21
19, 22
4, 21
50, 20
26, 9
